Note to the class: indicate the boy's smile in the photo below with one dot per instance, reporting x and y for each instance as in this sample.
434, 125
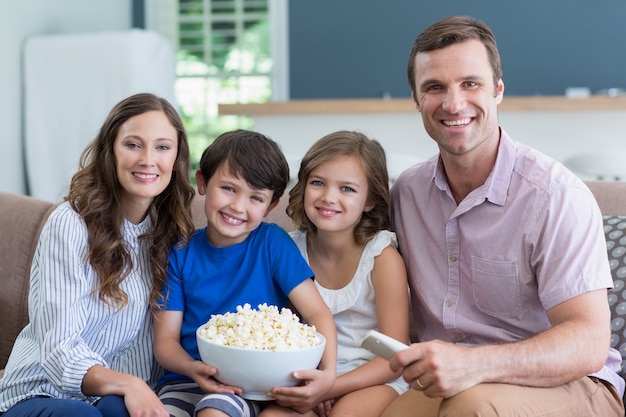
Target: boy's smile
232, 207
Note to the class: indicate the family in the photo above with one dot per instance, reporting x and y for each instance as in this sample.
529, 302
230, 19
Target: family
475, 253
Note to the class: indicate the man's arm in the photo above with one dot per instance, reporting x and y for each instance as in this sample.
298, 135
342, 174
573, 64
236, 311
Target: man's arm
576, 345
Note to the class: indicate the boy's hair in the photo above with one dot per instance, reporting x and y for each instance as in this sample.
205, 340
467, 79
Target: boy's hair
251, 156
371, 155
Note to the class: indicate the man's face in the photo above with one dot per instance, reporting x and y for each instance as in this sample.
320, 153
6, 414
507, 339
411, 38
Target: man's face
457, 97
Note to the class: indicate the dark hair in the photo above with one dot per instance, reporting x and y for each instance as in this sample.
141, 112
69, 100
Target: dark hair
450, 31
250, 155
95, 194
372, 156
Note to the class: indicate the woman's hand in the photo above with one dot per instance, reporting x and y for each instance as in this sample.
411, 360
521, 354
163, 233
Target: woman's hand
141, 401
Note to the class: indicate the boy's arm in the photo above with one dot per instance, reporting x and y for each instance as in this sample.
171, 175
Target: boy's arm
315, 312
167, 349
171, 355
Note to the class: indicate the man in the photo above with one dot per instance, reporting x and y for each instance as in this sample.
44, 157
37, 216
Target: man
505, 253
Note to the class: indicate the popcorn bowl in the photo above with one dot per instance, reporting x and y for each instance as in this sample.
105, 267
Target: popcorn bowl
258, 371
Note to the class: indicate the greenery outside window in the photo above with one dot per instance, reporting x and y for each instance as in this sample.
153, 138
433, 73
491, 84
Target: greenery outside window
223, 54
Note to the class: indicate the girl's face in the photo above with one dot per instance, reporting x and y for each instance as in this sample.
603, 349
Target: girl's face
145, 152
232, 207
336, 194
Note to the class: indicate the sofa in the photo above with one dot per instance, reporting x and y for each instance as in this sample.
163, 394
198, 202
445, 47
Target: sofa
23, 217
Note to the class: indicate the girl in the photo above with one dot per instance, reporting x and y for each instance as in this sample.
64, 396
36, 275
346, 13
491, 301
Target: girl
99, 266
340, 209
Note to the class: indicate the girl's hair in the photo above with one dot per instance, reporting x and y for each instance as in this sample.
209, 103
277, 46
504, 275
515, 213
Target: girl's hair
95, 194
250, 155
372, 157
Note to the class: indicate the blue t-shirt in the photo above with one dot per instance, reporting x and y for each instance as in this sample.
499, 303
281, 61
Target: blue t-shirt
203, 280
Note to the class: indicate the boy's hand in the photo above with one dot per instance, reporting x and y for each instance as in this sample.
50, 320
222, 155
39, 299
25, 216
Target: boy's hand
312, 390
203, 374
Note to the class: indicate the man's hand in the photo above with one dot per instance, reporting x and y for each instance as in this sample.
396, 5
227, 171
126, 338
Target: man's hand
439, 369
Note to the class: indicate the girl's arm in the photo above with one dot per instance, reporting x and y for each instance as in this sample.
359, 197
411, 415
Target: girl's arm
392, 310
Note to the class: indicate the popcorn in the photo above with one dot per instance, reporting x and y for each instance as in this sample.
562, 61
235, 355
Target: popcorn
262, 329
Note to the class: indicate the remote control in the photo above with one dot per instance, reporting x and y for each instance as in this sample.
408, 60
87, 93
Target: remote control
381, 344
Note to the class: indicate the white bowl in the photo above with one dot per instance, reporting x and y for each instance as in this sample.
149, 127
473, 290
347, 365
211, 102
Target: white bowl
258, 371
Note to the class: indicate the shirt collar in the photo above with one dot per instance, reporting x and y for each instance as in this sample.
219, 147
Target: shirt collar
497, 183
495, 188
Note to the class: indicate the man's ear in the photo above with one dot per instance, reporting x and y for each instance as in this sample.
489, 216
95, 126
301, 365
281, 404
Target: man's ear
499, 91
271, 207
200, 182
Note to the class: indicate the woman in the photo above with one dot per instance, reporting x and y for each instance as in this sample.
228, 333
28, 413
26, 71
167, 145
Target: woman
99, 269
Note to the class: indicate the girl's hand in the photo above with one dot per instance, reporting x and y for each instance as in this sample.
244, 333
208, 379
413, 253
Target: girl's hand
203, 374
323, 408
304, 397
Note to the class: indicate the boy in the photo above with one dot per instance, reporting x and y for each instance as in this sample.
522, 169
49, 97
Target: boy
236, 259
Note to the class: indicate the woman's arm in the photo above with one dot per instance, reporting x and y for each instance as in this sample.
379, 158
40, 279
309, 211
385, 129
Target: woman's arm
139, 398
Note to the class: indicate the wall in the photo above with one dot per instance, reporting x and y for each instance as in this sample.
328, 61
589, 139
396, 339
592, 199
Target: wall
24, 18
563, 134
359, 48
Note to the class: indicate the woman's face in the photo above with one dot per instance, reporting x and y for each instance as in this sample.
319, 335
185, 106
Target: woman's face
145, 151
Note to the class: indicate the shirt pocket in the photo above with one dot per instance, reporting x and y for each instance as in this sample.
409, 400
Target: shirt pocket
496, 287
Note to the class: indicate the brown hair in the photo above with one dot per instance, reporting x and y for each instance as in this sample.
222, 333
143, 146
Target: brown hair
251, 155
372, 156
95, 194
450, 31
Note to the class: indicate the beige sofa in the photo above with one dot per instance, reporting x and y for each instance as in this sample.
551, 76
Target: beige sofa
22, 218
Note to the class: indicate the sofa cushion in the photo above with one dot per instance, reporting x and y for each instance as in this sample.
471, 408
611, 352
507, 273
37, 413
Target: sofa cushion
615, 232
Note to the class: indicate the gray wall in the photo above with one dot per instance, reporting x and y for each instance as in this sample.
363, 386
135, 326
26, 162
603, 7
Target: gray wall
359, 48
18, 21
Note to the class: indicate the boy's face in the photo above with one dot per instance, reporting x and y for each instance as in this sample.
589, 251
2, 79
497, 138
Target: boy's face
233, 208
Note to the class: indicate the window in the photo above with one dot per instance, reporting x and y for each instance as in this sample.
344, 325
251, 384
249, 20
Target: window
226, 52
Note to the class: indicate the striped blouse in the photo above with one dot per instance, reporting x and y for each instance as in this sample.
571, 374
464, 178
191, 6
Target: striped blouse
70, 329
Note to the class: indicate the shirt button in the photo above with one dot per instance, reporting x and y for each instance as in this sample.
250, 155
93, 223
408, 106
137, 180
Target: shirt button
453, 258
458, 337
449, 303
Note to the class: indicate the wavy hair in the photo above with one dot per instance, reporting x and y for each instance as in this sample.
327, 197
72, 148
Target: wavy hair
371, 155
95, 194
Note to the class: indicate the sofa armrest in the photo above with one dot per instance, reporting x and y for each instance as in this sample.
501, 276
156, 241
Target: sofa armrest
20, 224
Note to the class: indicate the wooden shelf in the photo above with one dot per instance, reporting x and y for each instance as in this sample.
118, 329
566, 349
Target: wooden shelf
509, 104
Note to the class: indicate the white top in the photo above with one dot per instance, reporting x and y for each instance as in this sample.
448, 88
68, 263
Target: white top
70, 329
353, 306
